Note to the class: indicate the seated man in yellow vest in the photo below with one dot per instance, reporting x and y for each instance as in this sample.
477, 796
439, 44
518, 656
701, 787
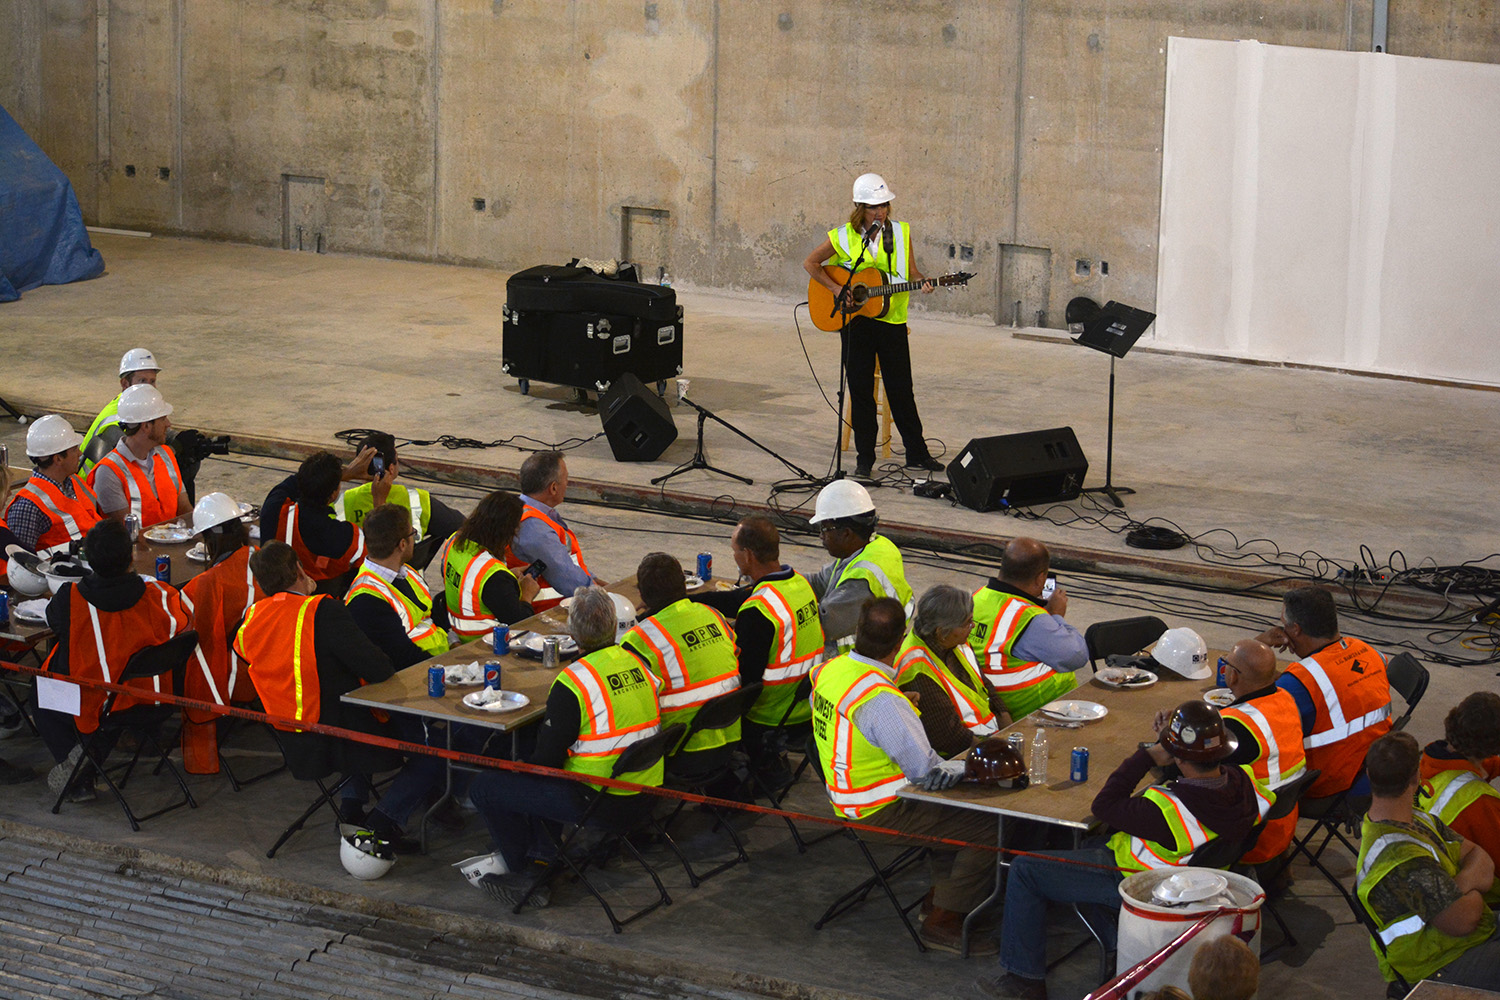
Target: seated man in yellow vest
936, 670
140, 476
690, 649
1422, 883
299, 511
1025, 647
137, 367
543, 533
432, 519
870, 744
865, 564
54, 507
1457, 771
1159, 828
597, 707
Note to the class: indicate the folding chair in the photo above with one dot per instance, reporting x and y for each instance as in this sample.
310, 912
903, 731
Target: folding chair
1122, 635
640, 756
1400, 987
1409, 679
143, 721
1287, 798
880, 875
716, 713
1328, 813
776, 796
230, 725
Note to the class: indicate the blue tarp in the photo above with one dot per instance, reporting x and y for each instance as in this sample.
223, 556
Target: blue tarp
42, 238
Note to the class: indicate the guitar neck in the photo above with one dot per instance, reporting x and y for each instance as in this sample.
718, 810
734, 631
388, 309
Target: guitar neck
905, 286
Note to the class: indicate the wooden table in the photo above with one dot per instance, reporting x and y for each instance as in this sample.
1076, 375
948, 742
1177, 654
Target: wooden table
1431, 989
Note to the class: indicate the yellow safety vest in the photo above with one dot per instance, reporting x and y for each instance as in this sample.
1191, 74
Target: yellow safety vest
617, 707
466, 569
967, 693
860, 777
792, 609
416, 616
1452, 792
690, 648
1023, 685
1135, 854
880, 565
355, 504
896, 265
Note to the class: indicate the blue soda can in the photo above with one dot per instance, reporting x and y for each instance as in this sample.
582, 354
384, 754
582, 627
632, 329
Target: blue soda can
437, 685
705, 566
492, 675
502, 640
4, 608
1219, 677
1078, 769
164, 569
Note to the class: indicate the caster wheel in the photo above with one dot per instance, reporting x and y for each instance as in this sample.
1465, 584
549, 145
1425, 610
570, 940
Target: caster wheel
525, 386
661, 388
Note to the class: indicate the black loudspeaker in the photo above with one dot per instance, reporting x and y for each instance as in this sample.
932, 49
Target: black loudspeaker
636, 421
1017, 470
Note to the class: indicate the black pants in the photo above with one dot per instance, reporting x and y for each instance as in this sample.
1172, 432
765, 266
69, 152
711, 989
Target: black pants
866, 341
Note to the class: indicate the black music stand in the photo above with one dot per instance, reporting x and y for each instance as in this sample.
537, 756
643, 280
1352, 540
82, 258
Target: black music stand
1114, 330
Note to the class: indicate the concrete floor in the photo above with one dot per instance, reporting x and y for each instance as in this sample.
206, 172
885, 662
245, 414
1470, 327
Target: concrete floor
256, 344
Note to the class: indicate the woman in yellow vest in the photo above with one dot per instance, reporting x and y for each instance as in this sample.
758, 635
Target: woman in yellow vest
937, 670
872, 239
481, 591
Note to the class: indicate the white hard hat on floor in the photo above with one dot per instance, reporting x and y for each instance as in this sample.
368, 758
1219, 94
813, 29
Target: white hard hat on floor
366, 856
51, 435
1183, 651
871, 189
138, 359
213, 510
141, 404
841, 498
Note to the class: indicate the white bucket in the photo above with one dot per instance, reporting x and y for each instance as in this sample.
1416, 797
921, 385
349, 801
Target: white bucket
1146, 926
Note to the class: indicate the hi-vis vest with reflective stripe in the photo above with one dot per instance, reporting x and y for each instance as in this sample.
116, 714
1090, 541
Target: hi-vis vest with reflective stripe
276, 643
1188, 834
1024, 685
792, 609
108, 417
880, 565
152, 500
861, 778
71, 517
416, 616
1413, 948
1453, 791
690, 648
100, 644
217, 599
967, 693
1274, 722
1347, 683
564, 535
355, 504
466, 569
896, 265
316, 566
617, 707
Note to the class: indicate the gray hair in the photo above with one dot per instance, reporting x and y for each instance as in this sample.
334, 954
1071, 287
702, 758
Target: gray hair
941, 608
591, 618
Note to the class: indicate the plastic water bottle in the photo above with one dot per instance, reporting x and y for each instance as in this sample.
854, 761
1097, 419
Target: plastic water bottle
1038, 769
663, 278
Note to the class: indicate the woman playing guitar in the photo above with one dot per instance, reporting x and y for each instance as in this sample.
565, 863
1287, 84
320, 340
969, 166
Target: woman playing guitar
886, 245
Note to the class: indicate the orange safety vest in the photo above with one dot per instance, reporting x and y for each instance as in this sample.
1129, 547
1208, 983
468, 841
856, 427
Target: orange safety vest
276, 643
152, 500
1347, 683
217, 599
101, 643
316, 566
564, 535
71, 517
1274, 722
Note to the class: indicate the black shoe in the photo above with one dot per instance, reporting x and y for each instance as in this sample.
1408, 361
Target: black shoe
448, 816
864, 470
82, 790
10, 774
352, 813
389, 831
928, 464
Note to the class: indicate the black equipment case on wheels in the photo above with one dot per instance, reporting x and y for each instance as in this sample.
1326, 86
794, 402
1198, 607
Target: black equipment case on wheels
571, 326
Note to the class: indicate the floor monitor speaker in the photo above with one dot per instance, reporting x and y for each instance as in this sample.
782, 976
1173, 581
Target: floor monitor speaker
1017, 470
636, 421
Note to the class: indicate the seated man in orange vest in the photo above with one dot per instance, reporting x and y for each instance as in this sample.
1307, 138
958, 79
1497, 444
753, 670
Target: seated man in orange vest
543, 533
101, 622
303, 651
299, 511
54, 506
1339, 684
140, 476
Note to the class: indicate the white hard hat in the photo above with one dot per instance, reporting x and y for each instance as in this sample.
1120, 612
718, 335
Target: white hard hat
365, 856
138, 359
24, 571
871, 189
141, 404
214, 509
841, 498
51, 435
480, 865
1183, 651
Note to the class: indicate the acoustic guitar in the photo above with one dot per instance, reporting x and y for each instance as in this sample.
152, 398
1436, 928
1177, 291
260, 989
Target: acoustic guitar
869, 294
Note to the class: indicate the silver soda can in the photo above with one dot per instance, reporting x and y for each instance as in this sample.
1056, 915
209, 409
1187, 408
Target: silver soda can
133, 524
551, 648
1078, 769
1017, 743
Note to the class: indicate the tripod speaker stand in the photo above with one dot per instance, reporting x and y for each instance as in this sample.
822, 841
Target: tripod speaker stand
1114, 330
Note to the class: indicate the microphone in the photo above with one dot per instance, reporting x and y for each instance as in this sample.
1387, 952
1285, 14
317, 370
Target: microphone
871, 231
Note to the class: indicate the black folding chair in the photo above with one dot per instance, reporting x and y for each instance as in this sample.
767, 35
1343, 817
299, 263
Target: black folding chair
1328, 814
317, 775
1400, 987
616, 828
716, 713
168, 659
232, 724
1122, 635
1409, 679
1287, 798
776, 796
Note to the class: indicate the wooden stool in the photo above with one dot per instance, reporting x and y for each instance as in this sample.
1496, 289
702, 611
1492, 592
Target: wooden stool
883, 407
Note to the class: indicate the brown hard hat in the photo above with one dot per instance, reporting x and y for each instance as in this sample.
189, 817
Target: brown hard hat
995, 762
1196, 732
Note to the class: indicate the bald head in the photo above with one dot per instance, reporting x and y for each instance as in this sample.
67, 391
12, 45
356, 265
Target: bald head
1024, 564
1254, 666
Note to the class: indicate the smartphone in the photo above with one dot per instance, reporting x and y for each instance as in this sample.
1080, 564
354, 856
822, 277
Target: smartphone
536, 569
377, 467
1048, 588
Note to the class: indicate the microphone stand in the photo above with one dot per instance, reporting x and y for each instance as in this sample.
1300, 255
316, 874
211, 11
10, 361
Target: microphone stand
839, 307
700, 461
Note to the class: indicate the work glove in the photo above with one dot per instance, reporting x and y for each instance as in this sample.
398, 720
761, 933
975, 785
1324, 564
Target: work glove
945, 775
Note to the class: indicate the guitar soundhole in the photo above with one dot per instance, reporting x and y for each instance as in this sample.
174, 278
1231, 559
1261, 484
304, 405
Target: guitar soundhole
859, 294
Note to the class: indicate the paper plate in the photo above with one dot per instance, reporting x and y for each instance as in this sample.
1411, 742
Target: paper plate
533, 642
168, 534
1219, 697
624, 610
30, 612
464, 674
1120, 678
197, 554
1189, 886
693, 582
484, 700
1069, 710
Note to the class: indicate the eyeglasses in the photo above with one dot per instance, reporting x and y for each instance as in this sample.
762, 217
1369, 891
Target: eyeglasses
1226, 665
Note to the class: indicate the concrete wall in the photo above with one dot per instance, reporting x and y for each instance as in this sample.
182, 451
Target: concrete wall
737, 127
